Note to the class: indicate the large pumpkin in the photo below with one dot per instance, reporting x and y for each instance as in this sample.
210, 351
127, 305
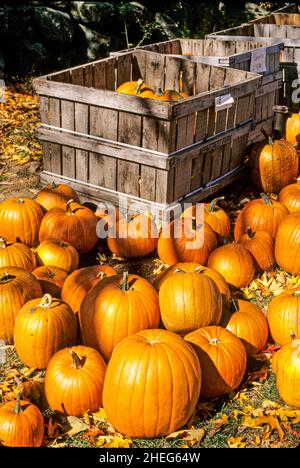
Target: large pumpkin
246, 321
284, 316
56, 196
290, 196
183, 240
261, 214
43, 327
136, 237
17, 287
234, 263
274, 165
20, 220
196, 267
75, 224
287, 244
115, 308
293, 129
189, 301
21, 424
57, 253
152, 384
74, 381
222, 358
261, 246
108, 216
16, 254
51, 279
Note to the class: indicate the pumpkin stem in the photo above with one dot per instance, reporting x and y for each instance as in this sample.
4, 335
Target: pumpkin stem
125, 285
3, 242
53, 185
250, 233
76, 360
292, 335
266, 199
194, 223
20, 201
213, 203
215, 341
159, 92
235, 305
138, 86
69, 209
179, 270
267, 137
17, 409
100, 275
46, 301
6, 278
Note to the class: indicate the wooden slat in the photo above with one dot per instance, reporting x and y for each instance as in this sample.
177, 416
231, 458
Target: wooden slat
82, 165
56, 163
188, 76
103, 122
182, 182
217, 159
111, 74
130, 128
44, 109
206, 176
221, 118
103, 171
147, 182
201, 125
203, 74
164, 186
68, 161
77, 76
123, 69
89, 75
226, 158
197, 170
128, 177
46, 156
81, 156
173, 68
100, 75
155, 71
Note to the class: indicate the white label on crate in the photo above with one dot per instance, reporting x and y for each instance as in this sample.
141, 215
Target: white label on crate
258, 60
223, 102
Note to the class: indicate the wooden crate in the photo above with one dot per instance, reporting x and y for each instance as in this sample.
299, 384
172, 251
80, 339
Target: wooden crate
107, 144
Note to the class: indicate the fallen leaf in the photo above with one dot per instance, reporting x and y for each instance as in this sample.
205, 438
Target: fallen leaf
52, 429
193, 436
270, 421
73, 426
236, 442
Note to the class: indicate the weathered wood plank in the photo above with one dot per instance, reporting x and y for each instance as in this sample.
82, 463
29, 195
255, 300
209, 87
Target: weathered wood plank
130, 129
128, 177
103, 123
147, 182
164, 186
103, 171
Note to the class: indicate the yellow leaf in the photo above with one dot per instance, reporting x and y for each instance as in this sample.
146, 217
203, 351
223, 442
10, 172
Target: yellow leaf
100, 415
236, 442
257, 440
240, 397
102, 441
270, 421
119, 442
193, 436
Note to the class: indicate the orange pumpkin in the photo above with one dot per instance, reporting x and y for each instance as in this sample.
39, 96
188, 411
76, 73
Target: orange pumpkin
222, 358
136, 88
57, 253
115, 308
43, 327
56, 196
17, 287
51, 279
284, 316
261, 246
293, 129
290, 196
262, 214
75, 224
287, 244
143, 369
109, 216
169, 95
20, 220
16, 255
74, 381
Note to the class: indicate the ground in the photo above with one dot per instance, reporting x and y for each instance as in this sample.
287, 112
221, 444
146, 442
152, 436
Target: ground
253, 416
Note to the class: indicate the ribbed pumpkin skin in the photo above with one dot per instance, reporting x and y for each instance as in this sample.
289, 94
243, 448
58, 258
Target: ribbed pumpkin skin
81, 281
284, 316
234, 263
76, 225
15, 290
261, 246
16, 255
20, 220
274, 165
42, 331
133, 239
286, 366
56, 196
71, 390
247, 323
260, 217
57, 253
173, 249
152, 384
290, 196
108, 314
293, 129
287, 244
51, 279
25, 429
189, 301
190, 267
222, 358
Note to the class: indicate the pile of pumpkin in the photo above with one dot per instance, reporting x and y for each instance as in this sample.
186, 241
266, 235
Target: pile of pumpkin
140, 89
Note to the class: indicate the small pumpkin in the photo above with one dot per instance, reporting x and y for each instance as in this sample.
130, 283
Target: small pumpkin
56, 196
43, 327
284, 316
293, 129
57, 253
287, 244
152, 384
234, 263
136, 88
74, 381
289, 196
16, 254
261, 246
20, 220
169, 95
222, 358
51, 279
21, 424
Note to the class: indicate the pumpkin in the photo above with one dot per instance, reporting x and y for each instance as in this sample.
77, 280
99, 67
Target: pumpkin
75, 224
261, 246
42, 327
234, 263
183, 240
152, 384
287, 244
81, 281
289, 196
189, 300
136, 88
190, 267
115, 308
274, 165
21, 424
286, 366
135, 237
261, 214
57, 253
56, 196
15, 254
292, 129
109, 216
51, 279
222, 358
74, 381
246, 321
284, 316
169, 95
17, 287
20, 220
